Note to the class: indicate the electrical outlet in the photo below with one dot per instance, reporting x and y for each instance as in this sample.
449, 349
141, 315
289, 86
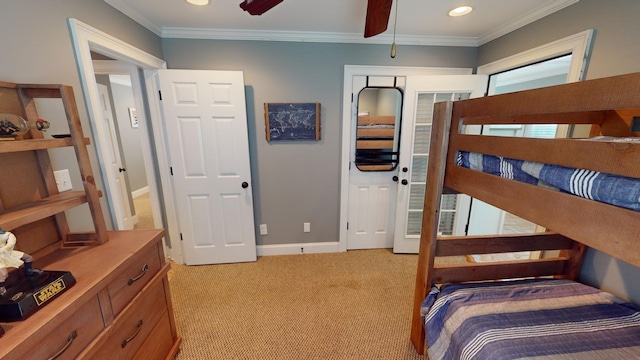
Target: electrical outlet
63, 180
307, 227
263, 229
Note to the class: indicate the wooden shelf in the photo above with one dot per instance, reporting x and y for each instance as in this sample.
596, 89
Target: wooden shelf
37, 210
36, 144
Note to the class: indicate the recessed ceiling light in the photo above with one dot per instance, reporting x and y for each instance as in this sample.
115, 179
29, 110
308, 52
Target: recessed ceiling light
460, 10
198, 2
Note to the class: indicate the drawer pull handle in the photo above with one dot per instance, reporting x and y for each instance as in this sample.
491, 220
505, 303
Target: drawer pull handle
145, 268
70, 338
126, 341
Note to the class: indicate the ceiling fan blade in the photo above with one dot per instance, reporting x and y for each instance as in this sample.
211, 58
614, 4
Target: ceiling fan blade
258, 7
377, 19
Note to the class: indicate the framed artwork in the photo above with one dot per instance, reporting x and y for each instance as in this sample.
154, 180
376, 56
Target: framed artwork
292, 121
133, 116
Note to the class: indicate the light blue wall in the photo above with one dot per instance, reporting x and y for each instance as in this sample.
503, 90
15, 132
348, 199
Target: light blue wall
297, 182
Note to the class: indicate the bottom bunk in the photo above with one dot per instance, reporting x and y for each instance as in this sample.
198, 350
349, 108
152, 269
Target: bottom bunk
542, 319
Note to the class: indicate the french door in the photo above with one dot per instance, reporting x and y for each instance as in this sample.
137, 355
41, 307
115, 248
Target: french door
422, 92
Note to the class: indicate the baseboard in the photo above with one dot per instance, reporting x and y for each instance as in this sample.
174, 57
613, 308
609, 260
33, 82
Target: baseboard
139, 192
297, 249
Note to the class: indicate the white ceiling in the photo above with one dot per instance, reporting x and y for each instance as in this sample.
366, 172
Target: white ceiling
420, 22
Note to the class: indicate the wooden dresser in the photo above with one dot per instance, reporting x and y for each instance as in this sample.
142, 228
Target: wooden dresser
120, 306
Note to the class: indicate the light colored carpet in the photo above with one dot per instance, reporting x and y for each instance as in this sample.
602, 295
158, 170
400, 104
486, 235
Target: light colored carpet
351, 305
142, 204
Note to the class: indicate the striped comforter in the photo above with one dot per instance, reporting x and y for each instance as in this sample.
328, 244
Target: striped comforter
611, 189
529, 319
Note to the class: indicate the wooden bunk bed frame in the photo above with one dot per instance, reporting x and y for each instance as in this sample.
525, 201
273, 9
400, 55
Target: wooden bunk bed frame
610, 105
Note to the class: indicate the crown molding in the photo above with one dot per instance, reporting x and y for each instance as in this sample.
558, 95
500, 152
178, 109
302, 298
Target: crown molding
324, 37
524, 20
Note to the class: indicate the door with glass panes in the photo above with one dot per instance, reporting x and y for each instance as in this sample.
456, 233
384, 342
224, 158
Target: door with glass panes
422, 92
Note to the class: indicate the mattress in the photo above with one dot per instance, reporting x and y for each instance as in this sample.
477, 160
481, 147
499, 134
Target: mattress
607, 188
529, 319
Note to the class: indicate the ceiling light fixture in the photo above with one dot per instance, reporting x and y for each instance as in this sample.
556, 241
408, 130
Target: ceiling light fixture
198, 2
460, 10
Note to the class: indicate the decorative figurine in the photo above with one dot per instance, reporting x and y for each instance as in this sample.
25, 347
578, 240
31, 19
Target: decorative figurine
9, 257
42, 124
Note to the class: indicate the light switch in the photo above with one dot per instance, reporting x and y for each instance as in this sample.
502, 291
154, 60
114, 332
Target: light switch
63, 180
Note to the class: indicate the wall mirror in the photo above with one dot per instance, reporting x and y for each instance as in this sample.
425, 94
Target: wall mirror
378, 128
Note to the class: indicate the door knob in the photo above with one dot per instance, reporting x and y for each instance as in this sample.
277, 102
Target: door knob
122, 169
404, 182
395, 178
245, 184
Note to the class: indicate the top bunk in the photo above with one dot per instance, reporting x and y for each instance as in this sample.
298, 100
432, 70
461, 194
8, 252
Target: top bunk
610, 105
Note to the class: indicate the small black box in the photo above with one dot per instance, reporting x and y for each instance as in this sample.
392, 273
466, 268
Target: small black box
26, 295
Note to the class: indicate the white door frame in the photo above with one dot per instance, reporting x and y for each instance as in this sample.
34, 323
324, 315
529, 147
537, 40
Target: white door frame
578, 44
365, 70
86, 39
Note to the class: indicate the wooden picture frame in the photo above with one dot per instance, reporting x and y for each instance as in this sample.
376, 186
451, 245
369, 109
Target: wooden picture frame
292, 121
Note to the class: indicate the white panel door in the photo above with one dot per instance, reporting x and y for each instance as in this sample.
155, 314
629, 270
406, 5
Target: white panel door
120, 202
372, 194
206, 127
422, 92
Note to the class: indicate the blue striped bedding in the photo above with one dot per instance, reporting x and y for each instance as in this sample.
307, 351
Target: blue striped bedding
529, 319
611, 189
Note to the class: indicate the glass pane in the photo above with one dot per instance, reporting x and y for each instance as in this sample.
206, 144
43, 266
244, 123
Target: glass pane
444, 97
414, 222
416, 197
419, 168
448, 202
446, 223
422, 139
378, 127
424, 108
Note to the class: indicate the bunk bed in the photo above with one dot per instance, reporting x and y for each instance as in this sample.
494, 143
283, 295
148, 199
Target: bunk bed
450, 297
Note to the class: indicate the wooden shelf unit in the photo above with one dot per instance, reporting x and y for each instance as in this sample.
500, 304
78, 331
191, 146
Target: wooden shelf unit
31, 172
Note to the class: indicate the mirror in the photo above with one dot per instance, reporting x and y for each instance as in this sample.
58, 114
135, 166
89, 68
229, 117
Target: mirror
378, 129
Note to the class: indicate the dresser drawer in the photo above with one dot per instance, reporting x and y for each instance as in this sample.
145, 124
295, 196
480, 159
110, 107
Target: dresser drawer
159, 342
132, 278
72, 336
129, 331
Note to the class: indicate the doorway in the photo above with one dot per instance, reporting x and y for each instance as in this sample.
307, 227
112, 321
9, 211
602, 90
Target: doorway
357, 78
141, 67
126, 141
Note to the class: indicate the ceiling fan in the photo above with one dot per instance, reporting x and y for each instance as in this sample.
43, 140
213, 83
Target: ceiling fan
377, 18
